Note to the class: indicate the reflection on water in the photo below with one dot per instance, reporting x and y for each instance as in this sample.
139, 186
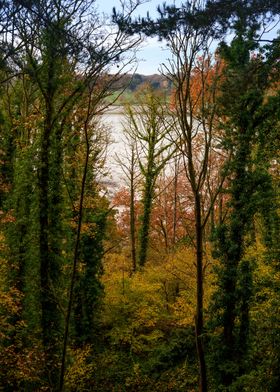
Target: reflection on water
114, 120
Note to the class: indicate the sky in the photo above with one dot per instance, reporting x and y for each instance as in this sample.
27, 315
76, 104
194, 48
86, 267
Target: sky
153, 53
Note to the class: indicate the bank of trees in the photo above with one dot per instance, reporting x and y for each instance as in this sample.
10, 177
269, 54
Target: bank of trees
55, 75
179, 290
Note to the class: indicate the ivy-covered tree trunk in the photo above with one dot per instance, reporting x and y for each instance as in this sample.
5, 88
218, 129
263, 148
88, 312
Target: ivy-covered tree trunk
88, 289
50, 83
18, 182
146, 216
48, 265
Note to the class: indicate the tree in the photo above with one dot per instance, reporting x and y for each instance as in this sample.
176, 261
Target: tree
20, 230
245, 111
130, 168
90, 221
146, 124
195, 79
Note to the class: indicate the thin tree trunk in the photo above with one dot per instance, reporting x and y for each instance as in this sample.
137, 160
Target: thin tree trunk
175, 202
76, 255
132, 224
199, 322
220, 210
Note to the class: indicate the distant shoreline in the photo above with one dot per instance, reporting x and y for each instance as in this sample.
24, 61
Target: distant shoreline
114, 109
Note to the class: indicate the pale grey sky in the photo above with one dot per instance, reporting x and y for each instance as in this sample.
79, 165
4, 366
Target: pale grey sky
153, 52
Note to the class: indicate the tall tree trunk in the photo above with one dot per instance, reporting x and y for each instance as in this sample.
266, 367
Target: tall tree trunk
199, 322
76, 254
174, 228
132, 223
48, 269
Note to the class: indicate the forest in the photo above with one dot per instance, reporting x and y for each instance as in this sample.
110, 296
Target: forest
172, 281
